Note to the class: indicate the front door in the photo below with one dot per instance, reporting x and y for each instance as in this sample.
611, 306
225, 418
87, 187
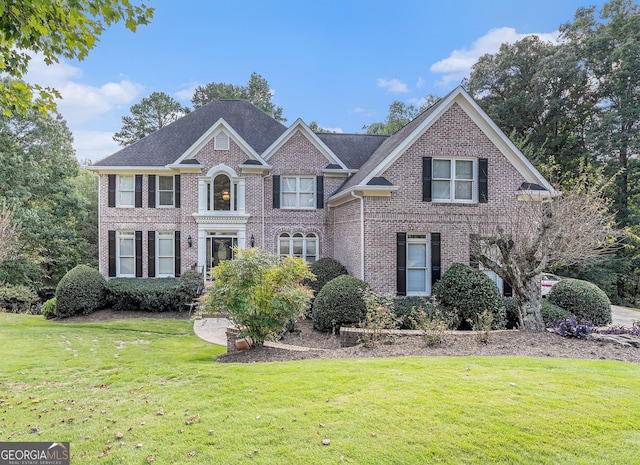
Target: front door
219, 249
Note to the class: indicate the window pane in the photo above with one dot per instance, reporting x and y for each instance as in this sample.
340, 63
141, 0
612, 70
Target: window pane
288, 184
297, 247
441, 189
464, 169
311, 246
126, 183
165, 248
127, 266
416, 255
284, 246
126, 198
165, 183
289, 200
222, 193
464, 190
306, 200
165, 266
417, 281
166, 198
126, 247
306, 185
442, 169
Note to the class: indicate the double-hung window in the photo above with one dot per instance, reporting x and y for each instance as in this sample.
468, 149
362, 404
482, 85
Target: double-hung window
300, 245
417, 271
165, 261
126, 254
298, 192
126, 191
454, 180
166, 191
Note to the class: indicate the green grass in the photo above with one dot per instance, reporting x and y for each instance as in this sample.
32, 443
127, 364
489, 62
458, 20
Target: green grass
85, 383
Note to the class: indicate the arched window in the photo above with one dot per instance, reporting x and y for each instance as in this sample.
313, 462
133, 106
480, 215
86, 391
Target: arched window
222, 194
299, 245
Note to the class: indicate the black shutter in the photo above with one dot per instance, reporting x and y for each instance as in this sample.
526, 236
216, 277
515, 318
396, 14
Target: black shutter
507, 290
138, 254
151, 252
483, 180
138, 191
152, 191
112, 253
401, 263
435, 257
177, 190
178, 257
426, 179
320, 192
112, 190
276, 191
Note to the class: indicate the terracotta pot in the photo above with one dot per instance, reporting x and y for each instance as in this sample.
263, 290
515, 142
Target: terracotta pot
242, 343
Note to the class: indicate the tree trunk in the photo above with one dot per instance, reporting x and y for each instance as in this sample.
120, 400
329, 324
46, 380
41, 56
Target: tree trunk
530, 307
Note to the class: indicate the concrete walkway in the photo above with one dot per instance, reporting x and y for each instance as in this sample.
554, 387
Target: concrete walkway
623, 316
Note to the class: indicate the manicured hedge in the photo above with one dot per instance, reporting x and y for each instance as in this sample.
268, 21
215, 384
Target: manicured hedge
583, 299
81, 291
339, 303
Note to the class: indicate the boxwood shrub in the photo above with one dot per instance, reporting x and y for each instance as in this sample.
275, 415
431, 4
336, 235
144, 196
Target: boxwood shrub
511, 312
586, 301
469, 292
18, 299
324, 270
339, 303
404, 307
80, 292
552, 313
49, 308
144, 294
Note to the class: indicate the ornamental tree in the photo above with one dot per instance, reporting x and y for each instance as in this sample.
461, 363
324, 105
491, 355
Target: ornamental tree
259, 291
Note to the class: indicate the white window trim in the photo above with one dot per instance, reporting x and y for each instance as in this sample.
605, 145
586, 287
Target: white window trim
422, 239
297, 192
173, 253
173, 192
128, 234
119, 191
452, 181
305, 238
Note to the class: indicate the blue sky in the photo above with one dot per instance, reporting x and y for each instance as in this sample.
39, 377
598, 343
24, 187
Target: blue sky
339, 63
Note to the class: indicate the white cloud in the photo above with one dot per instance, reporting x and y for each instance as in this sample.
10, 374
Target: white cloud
338, 130
94, 145
392, 85
186, 93
458, 65
421, 82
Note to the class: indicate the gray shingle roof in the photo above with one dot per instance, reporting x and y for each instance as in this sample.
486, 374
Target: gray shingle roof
166, 145
353, 149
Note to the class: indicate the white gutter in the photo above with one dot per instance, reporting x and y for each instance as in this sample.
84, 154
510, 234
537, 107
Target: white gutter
361, 232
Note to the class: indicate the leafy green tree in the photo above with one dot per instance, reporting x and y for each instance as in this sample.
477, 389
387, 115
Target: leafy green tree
399, 115
259, 291
256, 91
152, 113
39, 184
609, 49
54, 29
538, 93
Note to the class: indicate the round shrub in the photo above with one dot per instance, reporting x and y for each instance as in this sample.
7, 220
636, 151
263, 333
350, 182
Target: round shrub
49, 309
469, 293
405, 307
339, 303
511, 311
190, 287
324, 270
81, 291
586, 301
552, 313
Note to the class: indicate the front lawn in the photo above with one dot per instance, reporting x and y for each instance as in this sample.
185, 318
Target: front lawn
158, 387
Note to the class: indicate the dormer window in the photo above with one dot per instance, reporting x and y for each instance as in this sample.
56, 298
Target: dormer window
221, 141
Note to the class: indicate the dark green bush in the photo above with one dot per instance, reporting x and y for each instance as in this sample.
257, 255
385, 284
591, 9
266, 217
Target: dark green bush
511, 312
339, 303
49, 309
190, 286
146, 295
324, 270
469, 293
80, 292
18, 299
551, 312
405, 307
586, 301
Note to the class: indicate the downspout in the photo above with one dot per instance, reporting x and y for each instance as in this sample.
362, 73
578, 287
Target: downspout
100, 268
264, 176
353, 194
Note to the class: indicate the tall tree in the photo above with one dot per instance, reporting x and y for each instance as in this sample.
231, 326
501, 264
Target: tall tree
400, 114
54, 29
538, 93
256, 91
152, 113
609, 49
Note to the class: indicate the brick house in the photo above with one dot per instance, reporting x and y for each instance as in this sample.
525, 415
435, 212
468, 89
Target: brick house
395, 210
